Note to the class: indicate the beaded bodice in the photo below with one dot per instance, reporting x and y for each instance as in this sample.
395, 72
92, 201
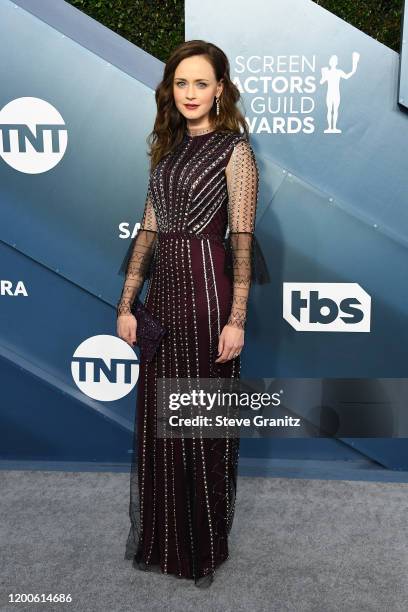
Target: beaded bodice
206, 186
189, 185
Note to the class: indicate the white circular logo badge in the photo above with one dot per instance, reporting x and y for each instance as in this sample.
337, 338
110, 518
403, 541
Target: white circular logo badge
105, 368
33, 135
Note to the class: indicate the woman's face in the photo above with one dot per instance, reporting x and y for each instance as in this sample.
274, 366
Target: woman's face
195, 83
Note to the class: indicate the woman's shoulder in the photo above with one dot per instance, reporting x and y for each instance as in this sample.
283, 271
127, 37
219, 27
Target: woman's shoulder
238, 142
233, 137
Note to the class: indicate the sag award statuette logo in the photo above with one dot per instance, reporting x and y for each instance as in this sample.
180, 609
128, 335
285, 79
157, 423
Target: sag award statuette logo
286, 92
332, 77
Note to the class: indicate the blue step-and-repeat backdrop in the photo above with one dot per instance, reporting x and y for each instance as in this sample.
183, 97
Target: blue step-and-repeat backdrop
326, 107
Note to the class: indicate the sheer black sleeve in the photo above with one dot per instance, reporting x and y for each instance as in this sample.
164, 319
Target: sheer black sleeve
244, 258
137, 261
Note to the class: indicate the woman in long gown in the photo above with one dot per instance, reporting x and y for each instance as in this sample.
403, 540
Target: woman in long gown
203, 184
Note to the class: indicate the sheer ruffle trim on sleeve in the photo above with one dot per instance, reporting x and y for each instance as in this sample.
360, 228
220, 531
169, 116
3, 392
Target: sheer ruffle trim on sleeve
126, 259
259, 273
137, 266
138, 261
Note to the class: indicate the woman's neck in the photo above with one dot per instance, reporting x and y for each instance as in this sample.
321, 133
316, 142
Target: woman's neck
196, 131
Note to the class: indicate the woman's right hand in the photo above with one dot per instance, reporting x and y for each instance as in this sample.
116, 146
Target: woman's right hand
126, 328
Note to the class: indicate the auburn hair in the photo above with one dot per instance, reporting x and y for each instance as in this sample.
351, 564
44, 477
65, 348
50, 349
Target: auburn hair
170, 125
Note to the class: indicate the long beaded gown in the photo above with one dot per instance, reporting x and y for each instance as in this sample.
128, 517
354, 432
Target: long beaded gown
182, 491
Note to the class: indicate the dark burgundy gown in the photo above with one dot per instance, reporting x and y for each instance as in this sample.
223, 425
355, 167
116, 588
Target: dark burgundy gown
182, 491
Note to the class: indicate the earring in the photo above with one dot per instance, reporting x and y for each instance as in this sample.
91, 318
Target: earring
217, 100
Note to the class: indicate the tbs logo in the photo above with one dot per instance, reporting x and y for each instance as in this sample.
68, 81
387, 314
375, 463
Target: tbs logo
33, 135
338, 307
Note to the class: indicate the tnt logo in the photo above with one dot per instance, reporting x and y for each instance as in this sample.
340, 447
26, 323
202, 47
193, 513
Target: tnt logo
327, 307
33, 136
105, 368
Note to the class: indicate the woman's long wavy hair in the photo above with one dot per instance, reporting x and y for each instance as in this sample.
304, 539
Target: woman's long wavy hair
170, 125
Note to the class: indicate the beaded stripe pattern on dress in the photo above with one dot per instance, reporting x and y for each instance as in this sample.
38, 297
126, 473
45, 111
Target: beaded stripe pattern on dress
183, 491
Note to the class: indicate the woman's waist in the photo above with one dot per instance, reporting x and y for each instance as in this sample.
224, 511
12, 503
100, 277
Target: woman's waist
178, 234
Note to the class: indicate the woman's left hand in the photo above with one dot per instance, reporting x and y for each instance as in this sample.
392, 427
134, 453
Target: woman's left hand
230, 343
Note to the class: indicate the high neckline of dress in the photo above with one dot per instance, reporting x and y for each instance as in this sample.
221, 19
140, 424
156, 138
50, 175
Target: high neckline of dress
199, 133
